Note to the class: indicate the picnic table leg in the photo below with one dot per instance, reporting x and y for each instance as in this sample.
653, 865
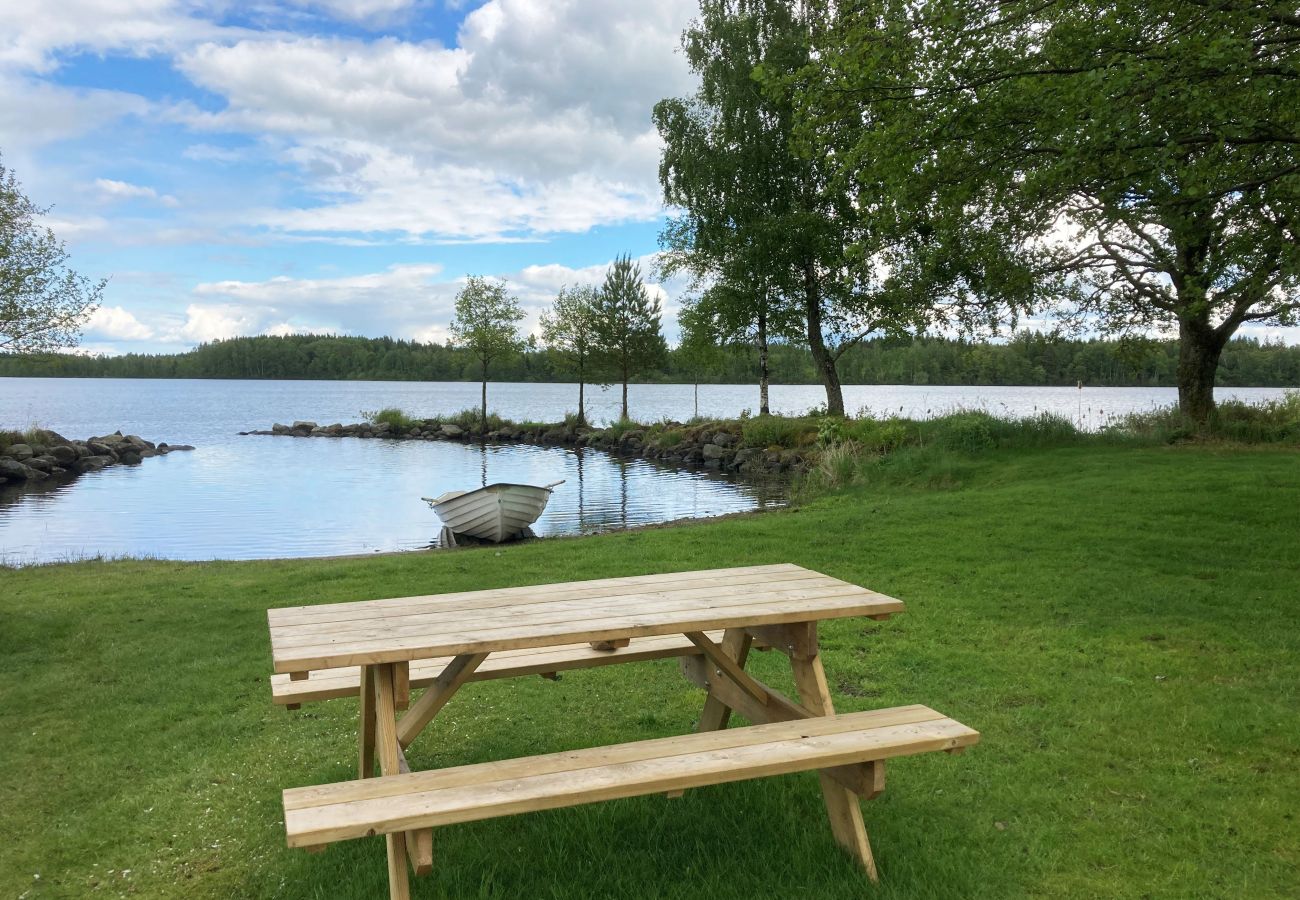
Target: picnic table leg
366, 732
841, 804
735, 643
390, 763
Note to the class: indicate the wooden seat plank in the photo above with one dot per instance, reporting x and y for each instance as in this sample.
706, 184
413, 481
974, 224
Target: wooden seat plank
328, 684
322, 814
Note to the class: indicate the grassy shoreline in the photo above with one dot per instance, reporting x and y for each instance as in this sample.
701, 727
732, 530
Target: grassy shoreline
1118, 621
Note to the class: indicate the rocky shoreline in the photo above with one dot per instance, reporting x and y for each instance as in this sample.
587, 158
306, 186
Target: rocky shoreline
39, 455
713, 446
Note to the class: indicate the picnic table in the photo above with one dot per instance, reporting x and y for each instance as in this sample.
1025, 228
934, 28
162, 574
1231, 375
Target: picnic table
379, 650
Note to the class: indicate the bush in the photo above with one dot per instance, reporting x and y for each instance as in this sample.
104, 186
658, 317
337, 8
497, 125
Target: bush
390, 416
778, 431
1270, 422
967, 432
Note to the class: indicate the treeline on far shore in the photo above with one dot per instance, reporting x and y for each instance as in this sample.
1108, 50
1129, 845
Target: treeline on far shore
1027, 358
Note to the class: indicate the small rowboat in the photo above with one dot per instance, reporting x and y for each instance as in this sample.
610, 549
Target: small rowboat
494, 513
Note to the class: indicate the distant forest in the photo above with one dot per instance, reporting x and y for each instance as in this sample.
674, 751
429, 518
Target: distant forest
1028, 358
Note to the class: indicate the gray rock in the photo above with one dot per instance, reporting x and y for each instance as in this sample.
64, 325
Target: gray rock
451, 430
747, 455
64, 454
44, 463
138, 442
278, 428
173, 448
303, 426
92, 464
20, 452
13, 470
722, 439
713, 451
130, 456
99, 448
109, 440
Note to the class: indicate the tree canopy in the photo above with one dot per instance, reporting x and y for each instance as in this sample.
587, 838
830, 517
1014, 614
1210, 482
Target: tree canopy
628, 332
569, 329
43, 303
486, 324
1129, 167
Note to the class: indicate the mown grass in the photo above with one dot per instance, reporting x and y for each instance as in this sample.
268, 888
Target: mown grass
1120, 623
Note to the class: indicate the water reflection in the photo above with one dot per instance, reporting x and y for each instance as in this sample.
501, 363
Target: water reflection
270, 497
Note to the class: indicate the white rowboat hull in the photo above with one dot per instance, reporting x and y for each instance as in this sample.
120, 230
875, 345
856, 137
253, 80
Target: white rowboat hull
494, 513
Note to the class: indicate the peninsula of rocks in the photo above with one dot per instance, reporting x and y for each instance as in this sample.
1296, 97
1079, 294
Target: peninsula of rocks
38, 454
716, 446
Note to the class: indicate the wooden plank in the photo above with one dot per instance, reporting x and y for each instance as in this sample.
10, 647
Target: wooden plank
637, 751
715, 715
390, 755
402, 684
435, 697
327, 684
599, 608
695, 617
842, 806
366, 731
793, 639
419, 843
545, 593
483, 791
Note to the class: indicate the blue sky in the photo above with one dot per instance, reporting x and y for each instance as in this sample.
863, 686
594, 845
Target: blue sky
269, 167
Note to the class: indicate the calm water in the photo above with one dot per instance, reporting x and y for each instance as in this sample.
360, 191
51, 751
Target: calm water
251, 497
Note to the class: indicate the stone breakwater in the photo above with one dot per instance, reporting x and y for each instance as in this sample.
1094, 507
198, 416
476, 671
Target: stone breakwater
40, 455
711, 446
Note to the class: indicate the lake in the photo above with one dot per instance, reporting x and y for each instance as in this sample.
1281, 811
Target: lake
248, 497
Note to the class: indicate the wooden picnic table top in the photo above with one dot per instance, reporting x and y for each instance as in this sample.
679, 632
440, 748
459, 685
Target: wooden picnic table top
327, 636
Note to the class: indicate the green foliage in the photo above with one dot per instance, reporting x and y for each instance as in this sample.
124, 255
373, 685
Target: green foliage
778, 431
627, 328
43, 303
390, 415
1161, 135
569, 330
1026, 359
1274, 421
487, 320
487, 325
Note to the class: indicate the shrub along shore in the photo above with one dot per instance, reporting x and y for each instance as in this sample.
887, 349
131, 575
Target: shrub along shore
831, 451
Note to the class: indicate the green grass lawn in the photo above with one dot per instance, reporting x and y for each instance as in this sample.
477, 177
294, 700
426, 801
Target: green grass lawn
1122, 625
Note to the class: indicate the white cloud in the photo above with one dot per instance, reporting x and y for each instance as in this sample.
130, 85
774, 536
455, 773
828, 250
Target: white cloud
403, 301
34, 114
359, 10
35, 32
115, 323
538, 123
123, 190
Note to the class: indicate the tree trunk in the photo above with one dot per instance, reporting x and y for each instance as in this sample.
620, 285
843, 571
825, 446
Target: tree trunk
624, 416
582, 413
483, 414
763, 408
822, 359
1199, 349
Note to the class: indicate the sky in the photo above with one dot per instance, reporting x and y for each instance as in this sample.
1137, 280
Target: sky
335, 165
340, 166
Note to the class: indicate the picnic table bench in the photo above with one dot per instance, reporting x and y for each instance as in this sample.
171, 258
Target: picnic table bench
379, 650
